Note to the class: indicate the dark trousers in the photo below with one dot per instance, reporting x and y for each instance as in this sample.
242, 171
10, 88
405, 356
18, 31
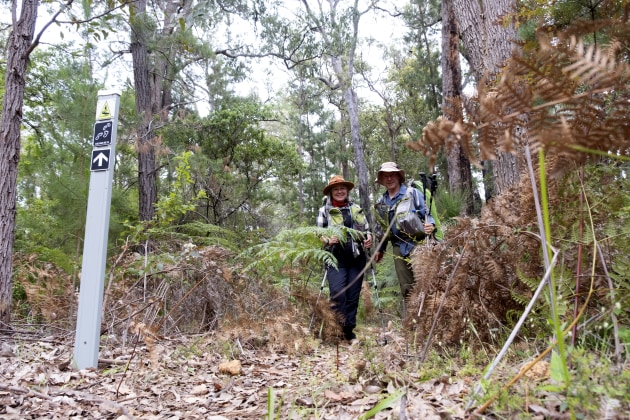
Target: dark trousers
345, 284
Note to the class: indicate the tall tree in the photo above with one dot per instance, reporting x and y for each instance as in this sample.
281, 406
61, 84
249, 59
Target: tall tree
339, 32
153, 77
19, 47
459, 171
488, 42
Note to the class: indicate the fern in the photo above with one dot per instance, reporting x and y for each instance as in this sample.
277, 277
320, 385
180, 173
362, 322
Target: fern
575, 95
293, 247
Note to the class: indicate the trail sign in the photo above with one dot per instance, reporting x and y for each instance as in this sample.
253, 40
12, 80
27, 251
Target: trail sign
100, 160
88, 329
103, 133
105, 113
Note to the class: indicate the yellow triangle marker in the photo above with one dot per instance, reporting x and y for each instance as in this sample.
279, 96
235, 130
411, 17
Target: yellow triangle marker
105, 113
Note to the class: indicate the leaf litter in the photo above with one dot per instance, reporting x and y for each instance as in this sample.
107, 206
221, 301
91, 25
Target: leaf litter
36, 381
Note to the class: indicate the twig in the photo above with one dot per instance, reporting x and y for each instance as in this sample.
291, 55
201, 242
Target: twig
64, 391
437, 315
517, 327
618, 348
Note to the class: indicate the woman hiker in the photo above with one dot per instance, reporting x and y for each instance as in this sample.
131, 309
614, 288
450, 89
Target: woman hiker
345, 281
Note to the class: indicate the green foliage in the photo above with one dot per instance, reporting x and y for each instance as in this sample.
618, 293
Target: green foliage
384, 404
194, 232
594, 383
237, 167
294, 247
53, 170
178, 202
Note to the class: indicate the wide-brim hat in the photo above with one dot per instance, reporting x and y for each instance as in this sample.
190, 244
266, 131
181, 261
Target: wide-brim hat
389, 167
335, 181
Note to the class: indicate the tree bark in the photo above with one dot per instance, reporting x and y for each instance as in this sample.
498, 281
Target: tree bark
18, 52
147, 188
153, 75
459, 172
488, 44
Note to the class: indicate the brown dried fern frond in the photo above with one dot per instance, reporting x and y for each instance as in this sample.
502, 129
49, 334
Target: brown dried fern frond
595, 67
565, 96
444, 133
49, 290
488, 254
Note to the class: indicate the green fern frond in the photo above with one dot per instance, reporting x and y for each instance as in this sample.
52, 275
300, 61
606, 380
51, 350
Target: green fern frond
530, 282
292, 247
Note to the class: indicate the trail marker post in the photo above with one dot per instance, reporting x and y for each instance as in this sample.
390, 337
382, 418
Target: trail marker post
88, 329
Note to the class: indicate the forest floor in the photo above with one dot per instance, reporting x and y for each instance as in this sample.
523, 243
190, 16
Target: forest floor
211, 377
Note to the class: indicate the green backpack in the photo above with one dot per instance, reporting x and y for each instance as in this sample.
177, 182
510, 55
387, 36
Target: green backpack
424, 186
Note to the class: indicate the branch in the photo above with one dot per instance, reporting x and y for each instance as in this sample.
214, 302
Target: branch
59, 12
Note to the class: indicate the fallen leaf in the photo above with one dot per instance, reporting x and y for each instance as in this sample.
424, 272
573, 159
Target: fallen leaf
199, 390
233, 367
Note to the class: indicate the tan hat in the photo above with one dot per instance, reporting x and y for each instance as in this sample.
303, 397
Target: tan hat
337, 180
390, 167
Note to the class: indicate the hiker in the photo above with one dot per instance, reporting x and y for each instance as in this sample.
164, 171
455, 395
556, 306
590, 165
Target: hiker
400, 206
346, 280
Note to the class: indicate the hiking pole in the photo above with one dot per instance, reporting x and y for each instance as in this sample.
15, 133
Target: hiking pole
431, 181
433, 189
425, 181
321, 289
378, 300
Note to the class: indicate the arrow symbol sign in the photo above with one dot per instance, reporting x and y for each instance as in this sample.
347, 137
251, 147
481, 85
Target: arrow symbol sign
100, 160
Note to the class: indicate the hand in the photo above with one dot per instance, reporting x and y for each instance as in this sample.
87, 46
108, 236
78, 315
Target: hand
333, 240
367, 243
378, 256
429, 228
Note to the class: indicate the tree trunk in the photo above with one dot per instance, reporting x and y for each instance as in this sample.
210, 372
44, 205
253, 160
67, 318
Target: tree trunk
153, 76
147, 188
488, 45
459, 172
18, 52
345, 79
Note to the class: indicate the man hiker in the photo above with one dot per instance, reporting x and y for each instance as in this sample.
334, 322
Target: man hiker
400, 213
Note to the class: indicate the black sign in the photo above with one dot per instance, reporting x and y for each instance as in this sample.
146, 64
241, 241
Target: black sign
100, 160
103, 133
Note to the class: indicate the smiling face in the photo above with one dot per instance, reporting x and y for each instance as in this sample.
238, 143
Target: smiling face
391, 180
339, 193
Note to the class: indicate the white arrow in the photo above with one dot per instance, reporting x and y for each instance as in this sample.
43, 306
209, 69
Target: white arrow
100, 158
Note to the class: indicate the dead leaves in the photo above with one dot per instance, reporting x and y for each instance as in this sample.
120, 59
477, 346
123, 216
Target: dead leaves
232, 367
201, 385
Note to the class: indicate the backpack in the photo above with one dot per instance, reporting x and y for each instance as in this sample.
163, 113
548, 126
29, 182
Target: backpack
406, 219
428, 200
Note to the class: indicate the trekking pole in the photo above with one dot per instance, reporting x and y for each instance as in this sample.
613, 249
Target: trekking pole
433, 189
321, 289
431, 181
378, 300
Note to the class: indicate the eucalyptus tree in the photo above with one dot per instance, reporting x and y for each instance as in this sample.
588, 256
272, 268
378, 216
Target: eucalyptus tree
488, 37
331, 33
459, 170
170, 55
153, 56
